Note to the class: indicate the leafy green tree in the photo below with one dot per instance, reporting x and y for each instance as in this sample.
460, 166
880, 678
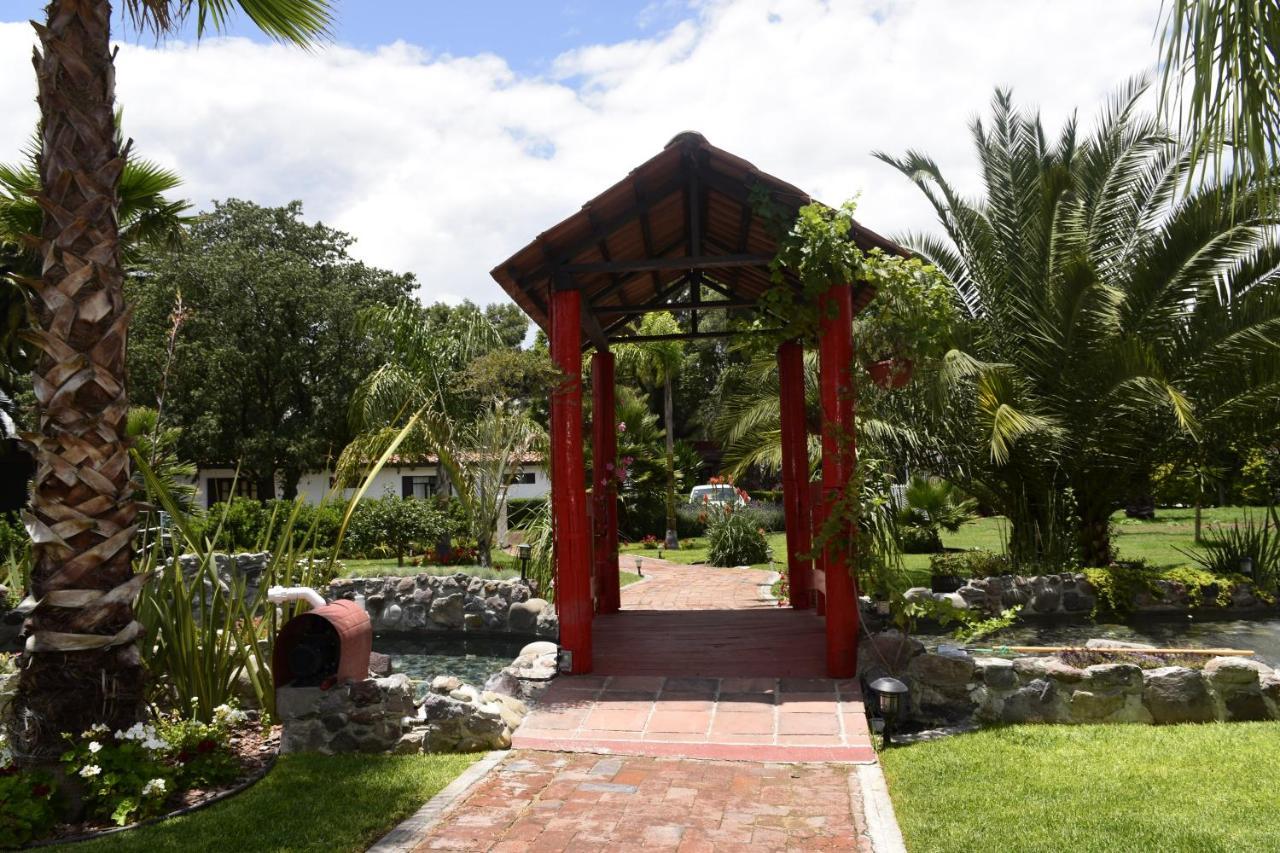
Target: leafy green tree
1100, 306
270, 350
82, 507
395, 524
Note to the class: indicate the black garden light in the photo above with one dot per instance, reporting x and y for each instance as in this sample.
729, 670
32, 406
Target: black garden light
888, 695
525, 551
639, 565
1246, 567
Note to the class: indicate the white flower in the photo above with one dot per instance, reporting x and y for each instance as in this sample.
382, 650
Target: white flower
94, 746
226, 715
155, 786
90, 770
154, 743
99, 728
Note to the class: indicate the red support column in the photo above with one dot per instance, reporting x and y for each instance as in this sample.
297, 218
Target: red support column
604, 489
568, 486
795, 470
839, 455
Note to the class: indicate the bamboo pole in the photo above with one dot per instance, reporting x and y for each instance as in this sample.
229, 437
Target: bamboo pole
1111, 650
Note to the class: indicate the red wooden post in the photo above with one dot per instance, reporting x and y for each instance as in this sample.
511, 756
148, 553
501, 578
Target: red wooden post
604, 461
835, 354
568, 487
795, 470
818, 578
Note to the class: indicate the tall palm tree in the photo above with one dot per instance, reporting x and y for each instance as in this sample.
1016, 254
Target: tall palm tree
657, 364
1105, 312
83, 664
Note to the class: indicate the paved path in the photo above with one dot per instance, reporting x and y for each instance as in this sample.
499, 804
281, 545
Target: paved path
706, 727
547, 801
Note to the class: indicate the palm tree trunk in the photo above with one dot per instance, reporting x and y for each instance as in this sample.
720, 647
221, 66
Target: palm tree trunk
672, 539
84, 665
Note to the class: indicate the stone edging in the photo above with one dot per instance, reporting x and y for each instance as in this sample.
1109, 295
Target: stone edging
766, 588
877, 808
410, 832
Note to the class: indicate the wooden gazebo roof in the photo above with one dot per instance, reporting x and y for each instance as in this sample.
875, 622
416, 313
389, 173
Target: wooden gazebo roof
684, 216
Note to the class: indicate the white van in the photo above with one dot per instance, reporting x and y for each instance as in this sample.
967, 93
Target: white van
717, 494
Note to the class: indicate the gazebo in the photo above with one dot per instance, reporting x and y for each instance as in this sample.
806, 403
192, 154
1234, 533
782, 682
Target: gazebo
680, 224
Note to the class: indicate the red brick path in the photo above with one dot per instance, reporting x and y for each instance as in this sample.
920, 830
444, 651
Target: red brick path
546, 801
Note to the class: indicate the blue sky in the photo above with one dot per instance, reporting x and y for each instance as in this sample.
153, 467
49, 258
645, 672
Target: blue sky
527, 34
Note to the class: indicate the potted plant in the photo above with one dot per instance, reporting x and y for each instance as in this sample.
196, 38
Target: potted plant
908, 320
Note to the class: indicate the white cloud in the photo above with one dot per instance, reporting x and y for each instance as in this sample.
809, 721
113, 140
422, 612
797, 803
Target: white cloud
445, 165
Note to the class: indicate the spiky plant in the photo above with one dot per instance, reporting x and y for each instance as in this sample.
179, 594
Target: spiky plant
1106, 313
83, 664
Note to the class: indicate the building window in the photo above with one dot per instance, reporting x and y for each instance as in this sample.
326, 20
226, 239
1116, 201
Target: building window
418, 486
218, 489
526, 478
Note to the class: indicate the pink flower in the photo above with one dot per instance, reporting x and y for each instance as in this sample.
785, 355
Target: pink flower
622, 426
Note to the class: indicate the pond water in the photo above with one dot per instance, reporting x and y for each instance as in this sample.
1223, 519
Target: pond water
471, 659
1260, 635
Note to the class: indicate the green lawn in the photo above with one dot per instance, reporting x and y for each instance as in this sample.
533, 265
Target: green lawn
1154, 541
503, 567
307, 803
1200, 788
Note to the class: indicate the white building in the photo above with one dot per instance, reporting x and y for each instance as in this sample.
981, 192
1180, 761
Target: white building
406, 478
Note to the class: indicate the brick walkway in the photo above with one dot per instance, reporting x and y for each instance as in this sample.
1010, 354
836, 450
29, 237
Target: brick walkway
546, 801
706, 727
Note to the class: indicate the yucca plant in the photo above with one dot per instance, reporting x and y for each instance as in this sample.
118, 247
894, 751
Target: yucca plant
734, 538
1238, 548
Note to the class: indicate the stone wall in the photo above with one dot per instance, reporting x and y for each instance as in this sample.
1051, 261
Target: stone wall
382, 715
952, 687
1071, 594
457, 602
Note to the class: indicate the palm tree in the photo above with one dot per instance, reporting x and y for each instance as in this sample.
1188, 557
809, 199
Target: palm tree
1221, 73
1105, 314
657, 363
83, 664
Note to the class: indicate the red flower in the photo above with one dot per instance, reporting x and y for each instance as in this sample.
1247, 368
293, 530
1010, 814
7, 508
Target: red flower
40, 790
206, 745
184, 757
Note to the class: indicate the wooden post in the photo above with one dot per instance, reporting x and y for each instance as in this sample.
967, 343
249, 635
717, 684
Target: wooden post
568, 487
835, 354
604, 489
795, 470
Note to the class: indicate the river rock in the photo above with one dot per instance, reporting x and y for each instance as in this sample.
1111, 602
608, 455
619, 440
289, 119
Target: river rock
1238, 683
503, 683
887, 653
1177, 694
996, 673
447, 611
522, 617
1114, 676
1037, 701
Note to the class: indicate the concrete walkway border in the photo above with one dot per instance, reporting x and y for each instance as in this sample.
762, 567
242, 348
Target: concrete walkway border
882, 824
413, 829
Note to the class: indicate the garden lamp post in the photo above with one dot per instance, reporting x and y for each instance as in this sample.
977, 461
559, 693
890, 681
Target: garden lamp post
887, 698
639, 564
525, 551
1246, 567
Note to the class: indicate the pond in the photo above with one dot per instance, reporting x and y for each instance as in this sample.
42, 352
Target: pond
1260, 635
471, 659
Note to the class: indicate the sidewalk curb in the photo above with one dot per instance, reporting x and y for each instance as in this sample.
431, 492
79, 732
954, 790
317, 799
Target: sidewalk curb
413, 830
882, 825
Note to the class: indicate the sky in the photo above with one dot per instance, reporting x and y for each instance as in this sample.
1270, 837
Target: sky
444, 136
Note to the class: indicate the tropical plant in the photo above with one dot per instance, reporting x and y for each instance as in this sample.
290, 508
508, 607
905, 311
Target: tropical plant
1220, 82
1104, 315
82, 633
735, 539
1251, 547
930, 506
399, 524
656, 364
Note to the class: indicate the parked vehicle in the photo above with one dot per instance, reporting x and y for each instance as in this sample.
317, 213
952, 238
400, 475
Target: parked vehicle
717, 494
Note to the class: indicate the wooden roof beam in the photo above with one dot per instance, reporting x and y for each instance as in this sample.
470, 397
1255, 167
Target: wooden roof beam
702, 262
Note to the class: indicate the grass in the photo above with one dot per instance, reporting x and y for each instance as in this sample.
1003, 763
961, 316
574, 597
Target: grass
1155, 541
1026, 789
628, 578
501, 570
307, 803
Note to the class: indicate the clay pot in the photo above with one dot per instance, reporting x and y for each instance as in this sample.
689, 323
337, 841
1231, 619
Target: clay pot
891, 373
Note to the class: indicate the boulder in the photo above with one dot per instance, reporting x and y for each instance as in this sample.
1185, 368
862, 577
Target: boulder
503, 683
996, 673
522, 616
886, 653
943, 670
539, 647
447, 611
1177, 694
1038, 701
1114, 676
379, 664
1238, 683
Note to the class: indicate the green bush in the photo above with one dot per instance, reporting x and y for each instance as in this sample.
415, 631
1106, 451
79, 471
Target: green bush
769, 496
691, 521
735, 539
522, 511
768, 515
1226, 548
395, 526
976, 563
917, 539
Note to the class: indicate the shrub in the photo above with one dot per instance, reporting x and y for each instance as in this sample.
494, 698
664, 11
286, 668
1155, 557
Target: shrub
522, 511
735, 539
976, 563
391, 525
916, 539
1117, 586
771, 496
691, 521
770, 516
1227, 548
26, 804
